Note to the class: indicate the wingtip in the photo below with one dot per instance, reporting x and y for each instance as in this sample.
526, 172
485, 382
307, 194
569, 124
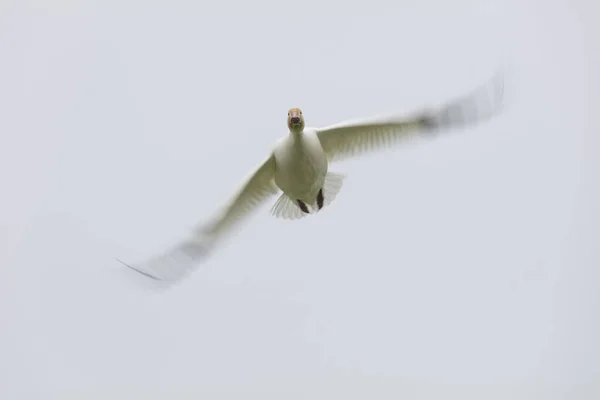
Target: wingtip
156, 278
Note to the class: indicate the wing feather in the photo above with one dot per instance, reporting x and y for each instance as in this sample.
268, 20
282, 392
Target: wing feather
183, 257
353, 138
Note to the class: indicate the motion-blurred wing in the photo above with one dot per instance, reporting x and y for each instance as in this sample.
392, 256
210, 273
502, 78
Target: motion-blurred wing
353, 138
183, 257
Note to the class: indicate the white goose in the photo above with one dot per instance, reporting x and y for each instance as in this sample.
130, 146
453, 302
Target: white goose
298, 166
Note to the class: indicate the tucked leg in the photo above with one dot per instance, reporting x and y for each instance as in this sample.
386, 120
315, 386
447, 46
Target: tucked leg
320, 199
302, 206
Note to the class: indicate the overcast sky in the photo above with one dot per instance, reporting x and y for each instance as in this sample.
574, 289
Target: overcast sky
464, 267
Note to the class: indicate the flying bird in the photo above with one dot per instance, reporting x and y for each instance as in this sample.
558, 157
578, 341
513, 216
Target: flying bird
297, 168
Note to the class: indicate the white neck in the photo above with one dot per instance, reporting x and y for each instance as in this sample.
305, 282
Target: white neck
296, 133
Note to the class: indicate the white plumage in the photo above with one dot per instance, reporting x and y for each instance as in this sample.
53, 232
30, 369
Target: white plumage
298, 167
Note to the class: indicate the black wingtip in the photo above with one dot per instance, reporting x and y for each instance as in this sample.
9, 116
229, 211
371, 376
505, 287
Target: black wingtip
140, 271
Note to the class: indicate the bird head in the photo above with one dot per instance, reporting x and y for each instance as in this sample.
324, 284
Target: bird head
295, 120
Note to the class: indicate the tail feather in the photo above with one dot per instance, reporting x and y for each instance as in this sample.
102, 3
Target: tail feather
287, 208
332, 186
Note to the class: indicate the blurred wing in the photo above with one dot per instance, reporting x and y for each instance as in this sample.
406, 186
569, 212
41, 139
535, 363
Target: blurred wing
181, 259
353, 138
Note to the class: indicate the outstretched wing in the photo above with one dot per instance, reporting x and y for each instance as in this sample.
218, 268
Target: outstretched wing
183, 257
353, 138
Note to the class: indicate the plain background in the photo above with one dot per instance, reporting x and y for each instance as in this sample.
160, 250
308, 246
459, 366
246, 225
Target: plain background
464, 267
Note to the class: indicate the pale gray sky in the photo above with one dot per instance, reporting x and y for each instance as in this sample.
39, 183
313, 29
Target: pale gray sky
464, 267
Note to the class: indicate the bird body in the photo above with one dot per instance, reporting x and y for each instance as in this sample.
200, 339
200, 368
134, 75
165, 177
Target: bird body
298, 167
